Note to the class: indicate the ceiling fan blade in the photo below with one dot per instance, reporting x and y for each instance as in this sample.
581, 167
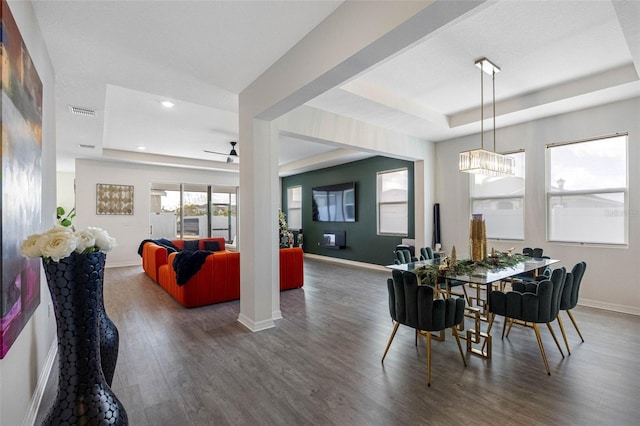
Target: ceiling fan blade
214, 152
231, 157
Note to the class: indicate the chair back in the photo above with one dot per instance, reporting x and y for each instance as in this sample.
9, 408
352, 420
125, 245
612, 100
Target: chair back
537, 252
565, 297
426, 253
558, 278
413, 305
403, 256
527, 251
577, 272
533, 302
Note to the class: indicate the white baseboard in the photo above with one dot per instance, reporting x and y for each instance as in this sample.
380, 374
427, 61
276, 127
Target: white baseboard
255, 326
36, 398
624, 309
276, 315
346, 262
121, 264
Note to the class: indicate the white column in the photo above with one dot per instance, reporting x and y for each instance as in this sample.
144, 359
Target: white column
258, 212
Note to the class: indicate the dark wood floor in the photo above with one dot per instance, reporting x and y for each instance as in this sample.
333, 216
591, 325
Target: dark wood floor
321, 364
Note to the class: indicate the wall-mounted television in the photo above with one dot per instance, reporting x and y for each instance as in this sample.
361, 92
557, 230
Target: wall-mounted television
334, 203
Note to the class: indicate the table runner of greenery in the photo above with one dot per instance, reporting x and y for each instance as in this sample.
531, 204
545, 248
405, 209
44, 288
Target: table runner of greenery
451, 266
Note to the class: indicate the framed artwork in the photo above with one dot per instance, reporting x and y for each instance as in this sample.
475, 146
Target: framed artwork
21, 180
114, 199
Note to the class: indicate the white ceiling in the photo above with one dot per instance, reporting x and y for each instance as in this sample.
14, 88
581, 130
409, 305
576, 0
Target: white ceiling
122, 58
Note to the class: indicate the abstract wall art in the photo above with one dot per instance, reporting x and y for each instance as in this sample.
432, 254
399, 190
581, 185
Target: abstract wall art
114, 199
21, 180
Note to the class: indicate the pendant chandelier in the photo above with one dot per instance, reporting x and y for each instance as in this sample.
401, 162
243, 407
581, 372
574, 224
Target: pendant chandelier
481, 161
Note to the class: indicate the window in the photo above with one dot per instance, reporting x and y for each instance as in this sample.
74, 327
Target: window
500, 200
587, 191
223, 213
191, 211
393, 202
294, 207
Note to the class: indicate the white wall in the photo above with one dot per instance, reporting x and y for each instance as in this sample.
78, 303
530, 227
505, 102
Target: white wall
24, 368
612, 279
66, 196
130, 230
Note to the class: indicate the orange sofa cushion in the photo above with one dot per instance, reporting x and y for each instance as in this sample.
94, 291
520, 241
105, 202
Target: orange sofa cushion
218, 280
291, 268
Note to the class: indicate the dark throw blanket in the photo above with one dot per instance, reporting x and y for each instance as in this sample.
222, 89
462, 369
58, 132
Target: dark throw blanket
188, 263
163, 242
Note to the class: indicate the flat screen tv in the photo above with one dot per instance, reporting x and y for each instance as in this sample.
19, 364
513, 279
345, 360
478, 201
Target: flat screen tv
334, 203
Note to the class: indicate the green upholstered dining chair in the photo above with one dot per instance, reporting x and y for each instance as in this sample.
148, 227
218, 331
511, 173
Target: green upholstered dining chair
426, 253
403, 256
535, 303
537, 253
414, 306
569, 298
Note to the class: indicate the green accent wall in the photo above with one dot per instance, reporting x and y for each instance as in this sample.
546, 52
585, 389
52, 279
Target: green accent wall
363, 242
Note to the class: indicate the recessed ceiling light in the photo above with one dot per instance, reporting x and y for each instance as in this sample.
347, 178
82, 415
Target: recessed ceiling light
167, 104
141, 148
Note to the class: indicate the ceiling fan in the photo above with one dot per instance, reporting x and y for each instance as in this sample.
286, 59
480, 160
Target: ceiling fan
232, 156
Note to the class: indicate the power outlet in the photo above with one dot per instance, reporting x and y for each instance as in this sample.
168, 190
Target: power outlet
50, 309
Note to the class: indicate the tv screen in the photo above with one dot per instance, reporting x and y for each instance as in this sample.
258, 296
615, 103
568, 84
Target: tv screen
334, 203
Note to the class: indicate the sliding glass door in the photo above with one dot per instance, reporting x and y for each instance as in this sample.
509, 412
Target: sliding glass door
223, 209
192, 211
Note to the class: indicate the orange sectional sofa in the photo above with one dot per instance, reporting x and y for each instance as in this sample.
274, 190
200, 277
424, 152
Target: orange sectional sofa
218, 280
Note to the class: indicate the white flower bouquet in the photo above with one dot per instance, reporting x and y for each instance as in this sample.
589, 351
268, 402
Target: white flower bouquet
59, 242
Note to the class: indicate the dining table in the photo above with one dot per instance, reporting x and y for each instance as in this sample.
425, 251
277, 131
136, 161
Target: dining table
480, 278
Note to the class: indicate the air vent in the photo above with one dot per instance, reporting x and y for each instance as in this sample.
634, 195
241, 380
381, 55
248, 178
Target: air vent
83, 145
85, 112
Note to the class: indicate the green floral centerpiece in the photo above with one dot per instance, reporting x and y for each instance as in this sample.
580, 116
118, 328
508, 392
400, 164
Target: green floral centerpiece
451, 266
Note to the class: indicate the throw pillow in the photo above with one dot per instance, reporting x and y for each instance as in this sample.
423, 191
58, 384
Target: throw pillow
191, 245
211, 245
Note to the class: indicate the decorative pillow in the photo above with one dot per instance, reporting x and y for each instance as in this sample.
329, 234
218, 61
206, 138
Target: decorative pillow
211, 245
191, 245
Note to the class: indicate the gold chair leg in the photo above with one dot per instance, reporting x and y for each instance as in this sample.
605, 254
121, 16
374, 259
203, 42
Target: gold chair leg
564, 335
575, 325
555, 339
428, 335
510, 325
455, 333
393, 334
493, 317
544, 356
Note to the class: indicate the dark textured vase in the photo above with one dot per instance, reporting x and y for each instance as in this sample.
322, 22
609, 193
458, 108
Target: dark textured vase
83, 397
109, 337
